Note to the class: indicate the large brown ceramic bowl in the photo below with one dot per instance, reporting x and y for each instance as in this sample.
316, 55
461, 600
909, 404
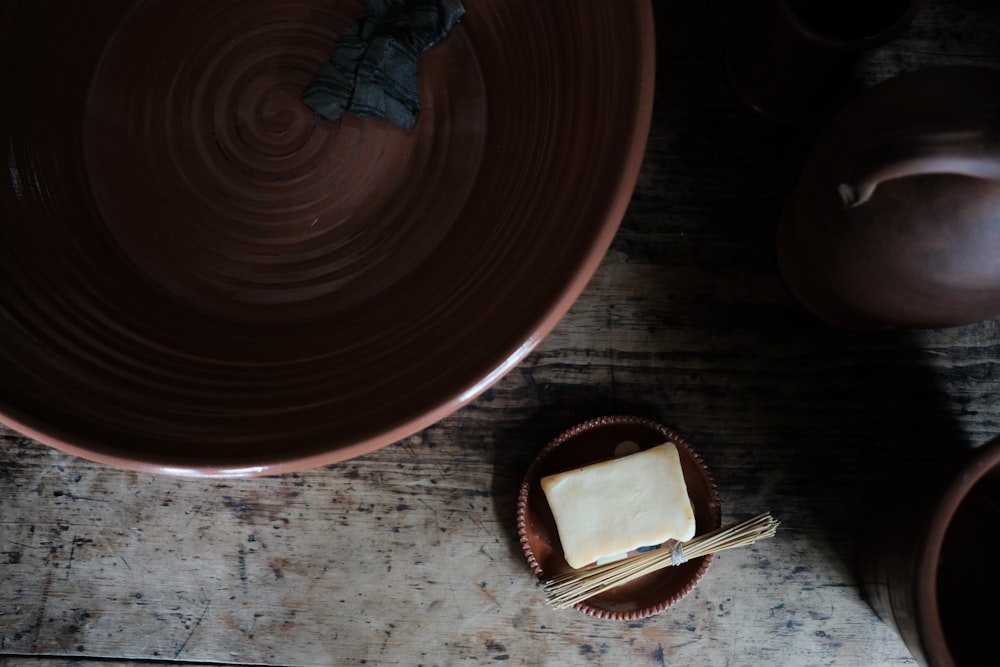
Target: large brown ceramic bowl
198, 276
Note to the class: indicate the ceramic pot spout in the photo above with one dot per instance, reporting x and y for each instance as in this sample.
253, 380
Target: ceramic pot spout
972, 153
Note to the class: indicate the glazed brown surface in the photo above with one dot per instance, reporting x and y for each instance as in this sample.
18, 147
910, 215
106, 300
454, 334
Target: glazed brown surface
201, 276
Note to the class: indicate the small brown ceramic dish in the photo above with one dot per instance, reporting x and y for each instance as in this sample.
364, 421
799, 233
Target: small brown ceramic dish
199, 276
596, 440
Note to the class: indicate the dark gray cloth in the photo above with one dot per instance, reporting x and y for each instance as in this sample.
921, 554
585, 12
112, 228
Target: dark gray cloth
373, 69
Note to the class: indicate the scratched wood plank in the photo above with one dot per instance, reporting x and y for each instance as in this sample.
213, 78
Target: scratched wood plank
364, 560
409, 555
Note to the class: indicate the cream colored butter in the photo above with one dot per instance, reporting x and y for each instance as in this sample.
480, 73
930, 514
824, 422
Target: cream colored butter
619, 505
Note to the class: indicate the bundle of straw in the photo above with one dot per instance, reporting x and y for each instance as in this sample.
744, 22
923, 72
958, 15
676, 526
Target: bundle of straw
568, 589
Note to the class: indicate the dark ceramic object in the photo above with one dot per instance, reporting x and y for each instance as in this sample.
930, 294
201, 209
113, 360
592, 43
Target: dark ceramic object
596, 440
797, 60
929, 564
198, 276
896, 218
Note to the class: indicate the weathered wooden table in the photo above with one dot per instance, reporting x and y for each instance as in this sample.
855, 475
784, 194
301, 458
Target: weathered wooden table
410, 555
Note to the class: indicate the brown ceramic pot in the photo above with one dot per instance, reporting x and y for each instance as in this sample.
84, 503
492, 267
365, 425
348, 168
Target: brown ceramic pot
896, 217
797, 60
929, 564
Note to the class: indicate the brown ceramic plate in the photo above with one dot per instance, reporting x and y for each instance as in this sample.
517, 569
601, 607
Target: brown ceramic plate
198, 276
597, 440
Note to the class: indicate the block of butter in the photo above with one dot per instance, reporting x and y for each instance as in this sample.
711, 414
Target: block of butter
618, 505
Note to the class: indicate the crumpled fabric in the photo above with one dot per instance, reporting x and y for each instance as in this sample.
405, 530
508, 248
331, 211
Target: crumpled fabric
373, 69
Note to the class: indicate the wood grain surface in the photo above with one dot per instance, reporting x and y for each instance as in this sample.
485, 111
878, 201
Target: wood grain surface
409, 556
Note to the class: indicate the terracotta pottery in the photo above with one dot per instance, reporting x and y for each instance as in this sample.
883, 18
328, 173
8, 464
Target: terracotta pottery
597, 440
929, 563
798, 60
896, 217
199, 276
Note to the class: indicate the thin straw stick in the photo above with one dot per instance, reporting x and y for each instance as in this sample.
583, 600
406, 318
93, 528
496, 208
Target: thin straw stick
568, 589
